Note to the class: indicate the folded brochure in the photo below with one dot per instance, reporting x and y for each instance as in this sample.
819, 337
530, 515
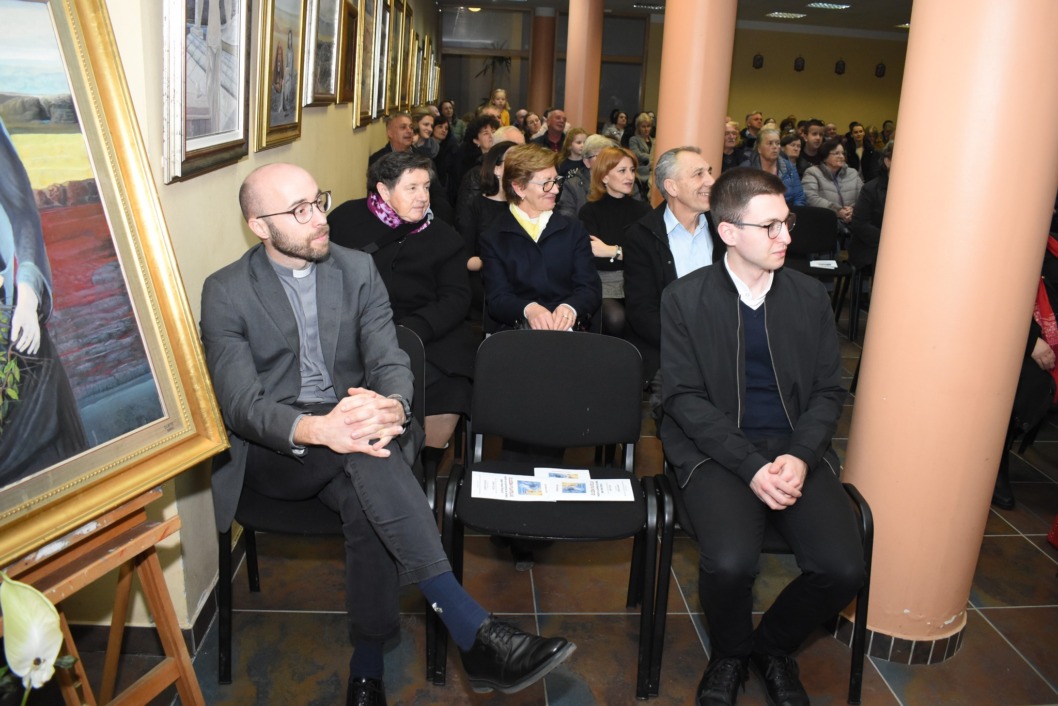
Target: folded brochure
550, 485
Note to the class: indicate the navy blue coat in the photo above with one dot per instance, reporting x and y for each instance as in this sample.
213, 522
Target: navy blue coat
557, 269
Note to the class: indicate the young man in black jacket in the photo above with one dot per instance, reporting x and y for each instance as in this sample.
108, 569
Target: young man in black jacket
751, 388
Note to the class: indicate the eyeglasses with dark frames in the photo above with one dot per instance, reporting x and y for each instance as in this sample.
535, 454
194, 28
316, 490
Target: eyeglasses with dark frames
773, 228
549, 184
302, 213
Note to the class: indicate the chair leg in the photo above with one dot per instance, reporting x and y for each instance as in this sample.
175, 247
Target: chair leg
224, 607
252, 573
635, 573
647, 577
859, 632
854, 305
452, 542
667, 510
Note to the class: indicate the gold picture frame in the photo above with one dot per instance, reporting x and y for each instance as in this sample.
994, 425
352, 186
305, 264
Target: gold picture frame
367, 61
117, 204
280, 77
349, 65
396, 55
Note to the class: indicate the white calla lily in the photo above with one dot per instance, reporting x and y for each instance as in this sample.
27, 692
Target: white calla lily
32, 636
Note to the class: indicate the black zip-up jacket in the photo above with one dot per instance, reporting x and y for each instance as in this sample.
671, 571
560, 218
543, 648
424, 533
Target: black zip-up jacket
704, 378
649, 268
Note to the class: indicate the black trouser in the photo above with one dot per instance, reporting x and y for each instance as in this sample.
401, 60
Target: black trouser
729, 521
391, 536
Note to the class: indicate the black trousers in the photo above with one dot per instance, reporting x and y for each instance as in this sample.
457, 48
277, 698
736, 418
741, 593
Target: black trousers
729, 521
391, 536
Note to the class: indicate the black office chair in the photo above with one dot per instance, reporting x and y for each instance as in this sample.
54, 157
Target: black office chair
773, 544
561, 390
815, 237
258, 513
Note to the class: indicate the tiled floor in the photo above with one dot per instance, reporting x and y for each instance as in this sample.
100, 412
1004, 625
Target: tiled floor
290, 644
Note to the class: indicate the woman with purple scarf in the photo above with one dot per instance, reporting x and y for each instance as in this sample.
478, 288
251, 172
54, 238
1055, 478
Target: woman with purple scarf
423, 264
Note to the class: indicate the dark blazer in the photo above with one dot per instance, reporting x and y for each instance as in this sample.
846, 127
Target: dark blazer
253, 349
557, 269
703, 372
649, 268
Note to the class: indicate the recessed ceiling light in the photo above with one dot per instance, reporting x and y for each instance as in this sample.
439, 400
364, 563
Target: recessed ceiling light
786, 15
655, 8
827, 6
906, 25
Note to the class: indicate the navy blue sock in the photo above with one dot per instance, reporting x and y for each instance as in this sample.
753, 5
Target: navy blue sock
367, 662
460, 613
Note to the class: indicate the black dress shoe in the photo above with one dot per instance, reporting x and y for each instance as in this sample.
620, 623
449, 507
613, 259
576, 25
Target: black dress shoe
781, 679
505, 658
366, 692
719, 684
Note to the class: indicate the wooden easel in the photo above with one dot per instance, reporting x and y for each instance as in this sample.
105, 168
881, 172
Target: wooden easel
121, 539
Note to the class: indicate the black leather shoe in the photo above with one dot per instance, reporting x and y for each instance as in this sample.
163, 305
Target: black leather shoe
782, 680
719, 684
366, 692
505, 658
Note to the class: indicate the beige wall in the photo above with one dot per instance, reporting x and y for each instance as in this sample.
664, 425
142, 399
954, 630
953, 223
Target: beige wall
207, 232
777, 90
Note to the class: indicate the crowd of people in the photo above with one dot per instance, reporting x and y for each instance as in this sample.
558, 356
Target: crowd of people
504, 219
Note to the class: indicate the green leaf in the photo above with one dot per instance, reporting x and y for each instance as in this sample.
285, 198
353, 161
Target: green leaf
66, 662
12, 393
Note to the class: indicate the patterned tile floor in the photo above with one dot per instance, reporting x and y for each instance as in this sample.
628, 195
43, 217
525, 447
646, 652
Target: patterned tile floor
290, 645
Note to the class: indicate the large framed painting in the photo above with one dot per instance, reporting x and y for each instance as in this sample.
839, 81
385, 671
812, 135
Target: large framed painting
348, 79
407, 54
323, 23
424, 72
367, 61
279, 78
396, 56
104, 386
382, 35
206, 86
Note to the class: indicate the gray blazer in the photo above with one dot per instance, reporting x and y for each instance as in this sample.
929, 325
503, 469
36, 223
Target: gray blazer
252, 350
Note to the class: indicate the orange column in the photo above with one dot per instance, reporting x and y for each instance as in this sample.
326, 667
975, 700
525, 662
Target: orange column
960, 258
695, 76
583, 63
542, 60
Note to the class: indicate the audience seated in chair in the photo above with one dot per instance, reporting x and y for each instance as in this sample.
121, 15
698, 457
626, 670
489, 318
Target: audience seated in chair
610, 208
422, 263
751, 392
672, 240
315, 392
537, 264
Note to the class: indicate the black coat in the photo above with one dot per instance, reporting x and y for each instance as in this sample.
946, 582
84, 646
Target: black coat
703, 371
866, 225
649, 268
425, 274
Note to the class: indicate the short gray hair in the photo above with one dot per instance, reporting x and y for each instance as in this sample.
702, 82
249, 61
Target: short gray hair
665, 167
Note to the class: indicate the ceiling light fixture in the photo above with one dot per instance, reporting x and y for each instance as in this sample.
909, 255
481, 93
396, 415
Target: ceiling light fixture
906, 25
653, 8
827, 6
474, 9
786, 15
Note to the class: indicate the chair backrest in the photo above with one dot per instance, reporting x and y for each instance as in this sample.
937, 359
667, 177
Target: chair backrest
558, 388
411, 344
816, 231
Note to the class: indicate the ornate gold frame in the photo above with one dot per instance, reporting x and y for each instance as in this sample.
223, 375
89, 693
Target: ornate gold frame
36, 510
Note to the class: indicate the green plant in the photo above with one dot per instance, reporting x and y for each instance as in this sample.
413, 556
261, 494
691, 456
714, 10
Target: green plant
492, 65
10, 370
